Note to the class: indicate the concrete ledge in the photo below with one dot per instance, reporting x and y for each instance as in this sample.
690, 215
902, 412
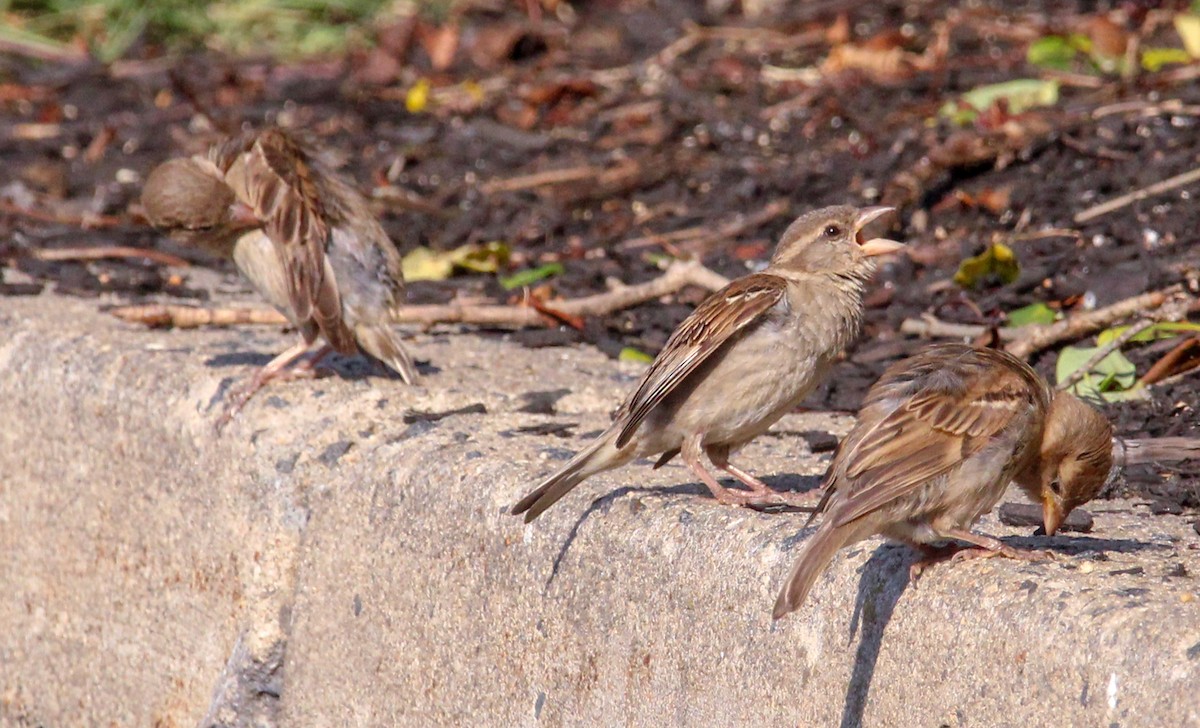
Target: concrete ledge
327, 562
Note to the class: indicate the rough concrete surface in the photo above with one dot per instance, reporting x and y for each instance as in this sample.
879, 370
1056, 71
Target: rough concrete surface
338, 558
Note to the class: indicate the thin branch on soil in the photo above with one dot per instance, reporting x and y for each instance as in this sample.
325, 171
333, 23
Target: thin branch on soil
676, 277
1029, 339
1104, 351
1154, 450
171, 315
87, 222
1157, 188
702, 236
1083, 324
396, 198
1173, 363
694, 35
107, 252
934, 328
541, 179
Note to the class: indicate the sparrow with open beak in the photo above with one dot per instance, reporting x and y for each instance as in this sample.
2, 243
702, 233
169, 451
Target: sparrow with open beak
937, 441
304, 237
745, 357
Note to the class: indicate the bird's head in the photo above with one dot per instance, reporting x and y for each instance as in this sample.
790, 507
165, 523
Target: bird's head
1076, 458
832, 240
190, 201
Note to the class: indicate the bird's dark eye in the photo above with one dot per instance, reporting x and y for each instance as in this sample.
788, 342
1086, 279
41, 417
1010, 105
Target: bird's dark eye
833, 231
1056, 486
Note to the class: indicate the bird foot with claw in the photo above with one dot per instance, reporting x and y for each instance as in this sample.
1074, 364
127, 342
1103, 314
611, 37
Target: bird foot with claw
930, 555
770, 500
241, 395
776, 502
979, 552
954, 552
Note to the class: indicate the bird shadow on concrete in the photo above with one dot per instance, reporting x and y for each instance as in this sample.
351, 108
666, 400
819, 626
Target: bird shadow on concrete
344, 367
787, 484
885, 578
1070, 545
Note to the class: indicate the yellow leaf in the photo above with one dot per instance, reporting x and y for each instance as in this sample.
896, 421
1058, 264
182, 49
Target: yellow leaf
417, 97
473, 90
486, 258
423, 264
998, 261
1188, 28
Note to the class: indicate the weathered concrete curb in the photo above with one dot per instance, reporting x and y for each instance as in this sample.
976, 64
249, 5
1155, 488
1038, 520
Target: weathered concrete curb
326, 562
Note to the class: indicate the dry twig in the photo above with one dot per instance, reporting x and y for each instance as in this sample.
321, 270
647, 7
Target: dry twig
108, 251
1154, 450
676, 277
87, 221
1104, 351
541, 179
1137, 195
1172, 363
701, 237
170, 315
1029, 339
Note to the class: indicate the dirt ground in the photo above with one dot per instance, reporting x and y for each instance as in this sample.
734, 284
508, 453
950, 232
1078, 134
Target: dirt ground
676, 129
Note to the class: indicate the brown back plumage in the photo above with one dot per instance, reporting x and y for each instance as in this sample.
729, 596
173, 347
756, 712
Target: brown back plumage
270, 173
926, 415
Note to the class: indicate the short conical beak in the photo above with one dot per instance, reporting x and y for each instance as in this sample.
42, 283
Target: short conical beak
874, 246
1052, 516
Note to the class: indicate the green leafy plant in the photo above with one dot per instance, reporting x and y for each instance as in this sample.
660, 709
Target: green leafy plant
1113, 378
1019, 95
1034, 313
530, 276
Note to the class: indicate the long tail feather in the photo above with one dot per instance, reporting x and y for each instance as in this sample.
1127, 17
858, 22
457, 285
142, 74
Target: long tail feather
601, 455
383, 343
818, 552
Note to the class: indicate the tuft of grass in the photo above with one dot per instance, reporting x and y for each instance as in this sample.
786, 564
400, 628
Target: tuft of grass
282, 28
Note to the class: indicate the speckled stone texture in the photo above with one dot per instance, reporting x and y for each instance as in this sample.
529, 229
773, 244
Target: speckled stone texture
342, 555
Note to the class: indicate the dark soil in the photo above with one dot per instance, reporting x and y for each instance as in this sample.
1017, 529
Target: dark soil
701, 136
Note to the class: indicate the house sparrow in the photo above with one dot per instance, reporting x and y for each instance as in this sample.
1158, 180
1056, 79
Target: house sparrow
304, 237
938, 439
745, 357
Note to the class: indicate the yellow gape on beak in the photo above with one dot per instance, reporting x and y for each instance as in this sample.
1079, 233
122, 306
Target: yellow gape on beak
874, 246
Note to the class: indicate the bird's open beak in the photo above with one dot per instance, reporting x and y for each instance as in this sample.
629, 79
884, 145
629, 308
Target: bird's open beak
874, 246
1052, 515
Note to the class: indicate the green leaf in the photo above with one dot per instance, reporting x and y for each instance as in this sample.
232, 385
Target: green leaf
1020, 95
998, 261
1052, 51
1110, 378
1161, 330
631, 354
658, 259
1034, 313
1153, 59
531, 275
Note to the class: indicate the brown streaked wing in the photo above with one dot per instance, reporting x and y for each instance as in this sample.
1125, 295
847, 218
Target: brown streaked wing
276, 183
893, 451
715, 321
